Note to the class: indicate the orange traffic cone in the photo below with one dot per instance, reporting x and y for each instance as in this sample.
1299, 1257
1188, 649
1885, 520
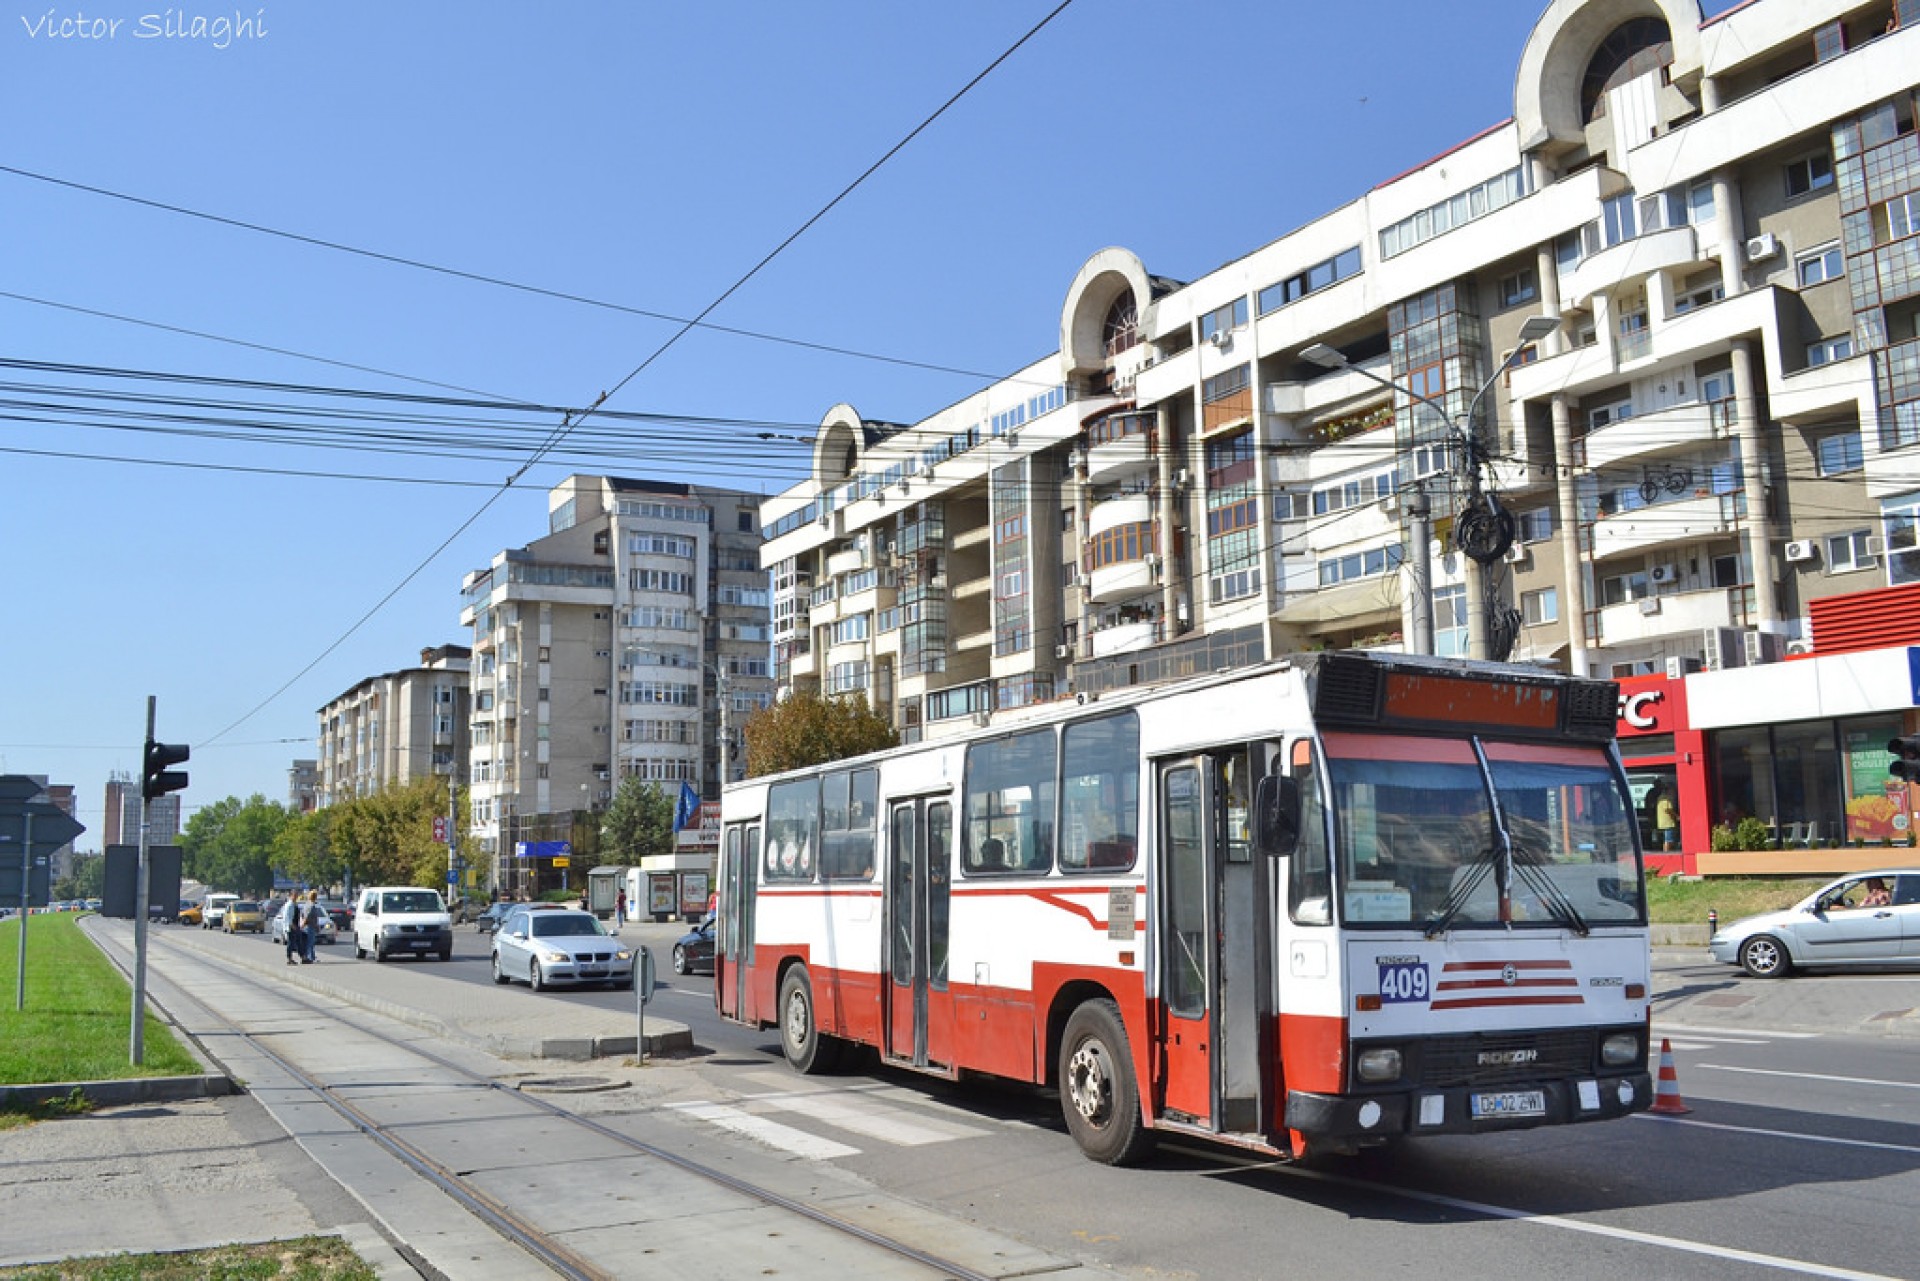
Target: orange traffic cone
1666, 1092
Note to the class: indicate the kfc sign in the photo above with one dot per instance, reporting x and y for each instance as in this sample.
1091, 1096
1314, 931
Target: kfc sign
1639, 709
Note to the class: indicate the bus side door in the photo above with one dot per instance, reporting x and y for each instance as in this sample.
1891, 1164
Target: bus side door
919, 1007
733, 956
1186, 930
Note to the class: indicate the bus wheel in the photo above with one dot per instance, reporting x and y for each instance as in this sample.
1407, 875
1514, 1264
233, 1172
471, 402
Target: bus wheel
1098, 1094
800, 1040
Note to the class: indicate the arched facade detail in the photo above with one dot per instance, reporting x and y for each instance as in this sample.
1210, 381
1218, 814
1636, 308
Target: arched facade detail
1105, 280
837, 445
1547, 100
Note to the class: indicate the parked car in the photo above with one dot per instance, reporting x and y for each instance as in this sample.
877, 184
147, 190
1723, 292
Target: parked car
244, 916
394, 920
693, 954
1862, 919
558, 945
214, 909
283, 922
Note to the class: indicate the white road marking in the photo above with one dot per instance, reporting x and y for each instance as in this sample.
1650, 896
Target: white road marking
1812, 1076
1738, 1035
772, 1133
1599, 1229
889, 1125
1781, 1134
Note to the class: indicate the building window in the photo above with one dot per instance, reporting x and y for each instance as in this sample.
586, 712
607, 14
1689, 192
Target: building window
1828, 350
1896, 219
1622, 588
1450, 622
1849, 552
1819, 266
1315, 278
1225, 320
1839, 453
1809, 174
1540, 607
1518, 288
1698, 290
1367, 564
1534, 525
1602, 415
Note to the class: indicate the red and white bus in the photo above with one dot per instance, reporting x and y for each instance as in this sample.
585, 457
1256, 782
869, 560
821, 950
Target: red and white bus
1328, 902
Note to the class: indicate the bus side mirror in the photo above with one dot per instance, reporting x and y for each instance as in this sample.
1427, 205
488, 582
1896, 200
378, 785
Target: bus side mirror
1276, 815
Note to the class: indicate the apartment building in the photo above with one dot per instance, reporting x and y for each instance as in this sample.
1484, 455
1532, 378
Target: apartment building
122, 809
617, 646
303, 781
1718, 220
391, 729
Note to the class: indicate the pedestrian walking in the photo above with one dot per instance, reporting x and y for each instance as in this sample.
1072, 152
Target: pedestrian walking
620, 909
296, 932
312, 932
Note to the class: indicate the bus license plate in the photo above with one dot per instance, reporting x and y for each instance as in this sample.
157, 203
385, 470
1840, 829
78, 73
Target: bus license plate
1510, 1103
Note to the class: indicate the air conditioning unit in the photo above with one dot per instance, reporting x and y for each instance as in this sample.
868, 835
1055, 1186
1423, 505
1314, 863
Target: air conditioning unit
982, 719
1876, 545
1725, 647
1678, 666
1664, 574
1152, 560
926, 471
1801, 549
1063, 651
1221, 339
1516, 554
1800, 647
1390, 504
1765, 647
1763, 246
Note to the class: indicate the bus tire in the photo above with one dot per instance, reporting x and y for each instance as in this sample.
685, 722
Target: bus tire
807, 1050
1098, 1093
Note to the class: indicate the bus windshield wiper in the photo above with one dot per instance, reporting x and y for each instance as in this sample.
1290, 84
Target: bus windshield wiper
1541, 882
1463, 888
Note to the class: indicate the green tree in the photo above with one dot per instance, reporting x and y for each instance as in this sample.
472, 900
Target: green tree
302, 852
638, 823
806, 729
230, 844
387, 838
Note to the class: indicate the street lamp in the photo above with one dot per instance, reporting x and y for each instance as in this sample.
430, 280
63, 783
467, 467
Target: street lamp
1482, 530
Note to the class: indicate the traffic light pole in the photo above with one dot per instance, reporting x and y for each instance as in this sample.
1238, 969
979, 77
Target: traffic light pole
137, 1036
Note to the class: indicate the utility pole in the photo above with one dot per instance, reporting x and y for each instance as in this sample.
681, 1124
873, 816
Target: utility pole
1420, 568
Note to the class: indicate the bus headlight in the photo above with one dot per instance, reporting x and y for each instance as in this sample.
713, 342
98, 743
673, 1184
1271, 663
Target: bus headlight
1378, 1065
1620, 1049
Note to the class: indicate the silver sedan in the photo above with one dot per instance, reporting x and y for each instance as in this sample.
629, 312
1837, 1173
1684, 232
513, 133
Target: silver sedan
1866, 919
543, 948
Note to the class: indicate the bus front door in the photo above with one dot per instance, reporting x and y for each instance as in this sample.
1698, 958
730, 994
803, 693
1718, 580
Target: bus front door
733, 967
1213, 929
919, 1013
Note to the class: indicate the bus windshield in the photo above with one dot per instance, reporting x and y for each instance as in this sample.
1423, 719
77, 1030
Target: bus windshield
1421, 841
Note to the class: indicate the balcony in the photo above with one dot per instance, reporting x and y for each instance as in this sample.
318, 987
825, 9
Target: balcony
1671, 614
1115, 458
1629, 261
1689, 520
1123, 637
1654, 433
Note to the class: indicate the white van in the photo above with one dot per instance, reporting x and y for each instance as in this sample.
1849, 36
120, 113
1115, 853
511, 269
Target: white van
213, 912
398, 920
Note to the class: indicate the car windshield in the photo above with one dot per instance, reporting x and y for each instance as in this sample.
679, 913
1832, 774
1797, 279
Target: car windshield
410, 901
1421, 842
243, 905
548, 925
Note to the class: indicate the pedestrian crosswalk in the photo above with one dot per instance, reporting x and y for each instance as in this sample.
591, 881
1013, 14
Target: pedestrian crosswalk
859, 1113
1683, 1037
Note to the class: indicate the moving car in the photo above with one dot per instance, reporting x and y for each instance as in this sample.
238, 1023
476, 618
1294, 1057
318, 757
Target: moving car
190, 914
564, 945
489, 921
243, 916
214, 909
400, 920
693, 954
1862, 919
283, 921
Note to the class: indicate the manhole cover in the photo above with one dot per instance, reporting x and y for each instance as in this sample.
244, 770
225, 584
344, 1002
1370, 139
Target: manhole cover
570, 1084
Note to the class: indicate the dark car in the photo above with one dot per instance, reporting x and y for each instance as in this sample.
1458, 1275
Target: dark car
693, 954
489, 921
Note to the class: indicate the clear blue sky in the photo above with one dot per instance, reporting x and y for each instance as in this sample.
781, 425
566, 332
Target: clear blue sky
644, 154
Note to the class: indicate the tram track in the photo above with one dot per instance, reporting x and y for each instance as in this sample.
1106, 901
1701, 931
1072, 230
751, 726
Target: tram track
868, 1248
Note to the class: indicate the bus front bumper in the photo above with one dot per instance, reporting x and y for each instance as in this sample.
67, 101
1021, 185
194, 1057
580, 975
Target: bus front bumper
1464, 1109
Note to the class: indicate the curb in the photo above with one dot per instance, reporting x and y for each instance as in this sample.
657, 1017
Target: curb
120, 1093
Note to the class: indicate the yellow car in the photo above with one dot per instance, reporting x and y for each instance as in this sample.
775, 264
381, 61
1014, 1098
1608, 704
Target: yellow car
189, 915
244, 915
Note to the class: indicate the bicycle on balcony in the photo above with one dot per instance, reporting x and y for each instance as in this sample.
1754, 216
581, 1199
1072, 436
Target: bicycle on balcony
1672, 480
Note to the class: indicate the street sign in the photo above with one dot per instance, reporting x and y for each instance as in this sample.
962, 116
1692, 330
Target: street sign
561, 860
440, 828
18, 787
52, 828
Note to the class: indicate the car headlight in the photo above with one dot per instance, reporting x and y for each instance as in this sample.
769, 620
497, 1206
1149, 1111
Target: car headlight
1620, 1049
555, 957
623, 956
1378, 1065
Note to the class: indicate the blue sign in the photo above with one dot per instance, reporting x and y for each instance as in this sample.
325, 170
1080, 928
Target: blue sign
542, 849
1402, 982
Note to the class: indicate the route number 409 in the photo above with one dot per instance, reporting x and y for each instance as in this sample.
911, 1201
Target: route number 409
1402, 981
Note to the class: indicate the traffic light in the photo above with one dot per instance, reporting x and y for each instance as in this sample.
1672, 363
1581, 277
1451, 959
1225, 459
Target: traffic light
156, 779
1906, 758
